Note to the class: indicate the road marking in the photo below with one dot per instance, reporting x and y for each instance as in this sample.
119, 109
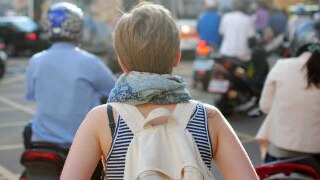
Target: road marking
10, 147
15, 95
13, 124
17, 105
6, 109
13, 79
246, 137
7, 174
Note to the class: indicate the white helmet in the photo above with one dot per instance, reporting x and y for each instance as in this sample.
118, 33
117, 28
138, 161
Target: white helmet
64, 21
307, 33
211, 3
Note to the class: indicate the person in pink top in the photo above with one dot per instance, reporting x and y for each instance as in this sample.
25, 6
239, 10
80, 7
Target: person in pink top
291, 99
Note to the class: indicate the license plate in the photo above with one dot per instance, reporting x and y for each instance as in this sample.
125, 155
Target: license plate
203, 65
3, 56
218, 86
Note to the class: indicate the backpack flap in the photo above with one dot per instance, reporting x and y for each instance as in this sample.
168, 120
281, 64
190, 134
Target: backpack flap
131, 115
158, 113
167, 152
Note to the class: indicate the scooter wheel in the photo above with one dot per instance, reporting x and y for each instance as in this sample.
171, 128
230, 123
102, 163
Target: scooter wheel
2, 69
224, 106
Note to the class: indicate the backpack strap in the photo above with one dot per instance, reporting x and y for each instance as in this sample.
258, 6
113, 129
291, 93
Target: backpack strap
183, 112
130, 114
112, 124
136, 121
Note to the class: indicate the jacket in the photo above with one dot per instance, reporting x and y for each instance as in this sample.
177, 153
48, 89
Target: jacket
293, 120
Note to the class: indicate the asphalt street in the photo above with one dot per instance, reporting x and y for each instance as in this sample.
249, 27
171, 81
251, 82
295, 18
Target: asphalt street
15, 112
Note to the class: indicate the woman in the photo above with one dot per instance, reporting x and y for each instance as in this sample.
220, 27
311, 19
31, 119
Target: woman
291, 97
147, 44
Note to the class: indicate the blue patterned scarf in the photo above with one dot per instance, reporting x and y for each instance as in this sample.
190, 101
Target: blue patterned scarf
137, 88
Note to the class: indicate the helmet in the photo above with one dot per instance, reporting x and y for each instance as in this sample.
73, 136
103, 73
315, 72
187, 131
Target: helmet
240, 5
299, 9
307, 33
211, 3
64, 21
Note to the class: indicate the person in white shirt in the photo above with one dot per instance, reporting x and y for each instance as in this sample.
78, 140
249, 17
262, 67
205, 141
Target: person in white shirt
236, 28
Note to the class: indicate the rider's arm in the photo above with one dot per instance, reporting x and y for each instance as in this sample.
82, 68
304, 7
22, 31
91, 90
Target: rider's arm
102, 78
222, 26
268, 91
250, 29
92, 140
30, 81
251, 34
228, 154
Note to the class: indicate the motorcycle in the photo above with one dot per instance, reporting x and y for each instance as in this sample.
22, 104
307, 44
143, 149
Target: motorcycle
202, 65
230, 85
45, 160
3, 58
303, 168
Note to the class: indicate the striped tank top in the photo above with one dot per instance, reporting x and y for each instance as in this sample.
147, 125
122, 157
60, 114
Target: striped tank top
197, 126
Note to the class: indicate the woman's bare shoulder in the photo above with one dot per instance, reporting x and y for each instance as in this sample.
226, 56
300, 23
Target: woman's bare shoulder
216, 120
213, 112
97, 116
98, 111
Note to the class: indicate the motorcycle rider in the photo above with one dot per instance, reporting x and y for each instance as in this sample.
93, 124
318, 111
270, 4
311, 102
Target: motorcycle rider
64, 81
208, 25
291, 97
237, 29
261, 16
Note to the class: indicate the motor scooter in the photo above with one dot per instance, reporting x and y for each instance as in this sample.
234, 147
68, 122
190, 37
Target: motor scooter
202, 65
302, 168
228, 83
45, 160
3, 58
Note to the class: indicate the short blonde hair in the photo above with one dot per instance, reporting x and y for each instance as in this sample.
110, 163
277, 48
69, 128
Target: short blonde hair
147, 39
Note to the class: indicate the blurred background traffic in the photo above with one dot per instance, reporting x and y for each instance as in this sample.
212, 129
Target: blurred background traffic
101, 15
22, 35
274, 23
21, 22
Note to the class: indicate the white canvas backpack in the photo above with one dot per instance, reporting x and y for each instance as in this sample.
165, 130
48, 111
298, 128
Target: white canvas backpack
165, 151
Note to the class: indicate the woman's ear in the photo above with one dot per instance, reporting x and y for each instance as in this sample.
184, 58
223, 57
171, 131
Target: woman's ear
124, 69
177, 59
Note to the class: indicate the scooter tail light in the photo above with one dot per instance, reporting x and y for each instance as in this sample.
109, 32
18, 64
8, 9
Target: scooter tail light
31, 36
2, 46
29, 156
227, 64
201, 73
203, 48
